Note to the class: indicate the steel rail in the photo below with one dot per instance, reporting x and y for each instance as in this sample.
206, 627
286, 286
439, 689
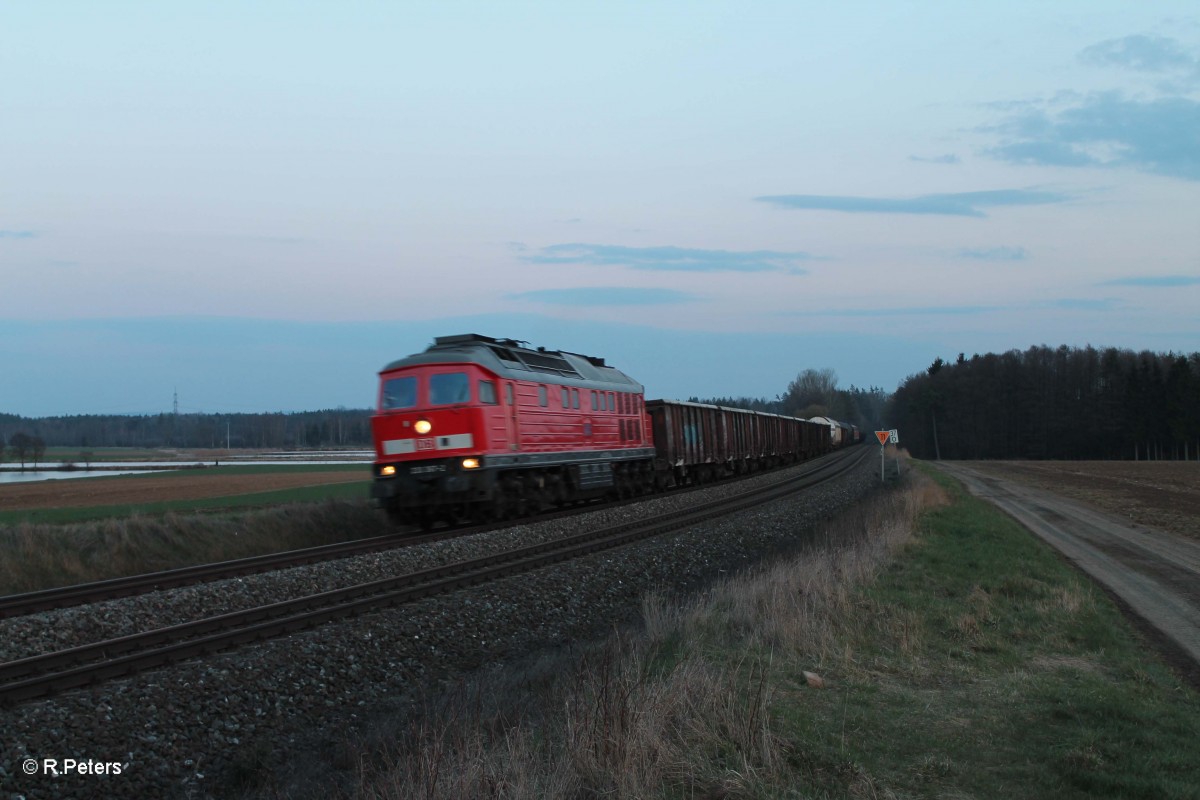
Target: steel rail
17, 605
47, 674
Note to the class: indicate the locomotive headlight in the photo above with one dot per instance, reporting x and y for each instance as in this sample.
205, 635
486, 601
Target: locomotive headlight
388, 470
422, 426
470, 463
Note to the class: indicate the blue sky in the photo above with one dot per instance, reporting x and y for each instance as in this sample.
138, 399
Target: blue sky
258, 206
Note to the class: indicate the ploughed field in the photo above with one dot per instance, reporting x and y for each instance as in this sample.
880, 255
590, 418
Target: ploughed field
1156, 494
167, 486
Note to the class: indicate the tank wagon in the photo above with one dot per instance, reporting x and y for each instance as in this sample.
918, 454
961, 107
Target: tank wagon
477, 428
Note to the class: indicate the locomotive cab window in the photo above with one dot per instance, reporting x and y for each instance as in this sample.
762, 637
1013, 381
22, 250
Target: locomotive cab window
399, 392
487, 393
449, 387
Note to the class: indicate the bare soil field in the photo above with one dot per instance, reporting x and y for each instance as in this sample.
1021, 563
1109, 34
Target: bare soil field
86, 492
1156, 494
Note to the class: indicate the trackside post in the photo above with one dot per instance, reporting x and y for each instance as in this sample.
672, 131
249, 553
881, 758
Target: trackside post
883, 437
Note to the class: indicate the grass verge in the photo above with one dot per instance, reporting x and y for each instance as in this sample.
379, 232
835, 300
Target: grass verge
347, 492
932, 648
38, 555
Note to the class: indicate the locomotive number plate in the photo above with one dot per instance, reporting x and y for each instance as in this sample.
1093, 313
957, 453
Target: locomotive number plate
426, 444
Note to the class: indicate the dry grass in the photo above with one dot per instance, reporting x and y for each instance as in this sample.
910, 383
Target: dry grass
665, 712
37, 556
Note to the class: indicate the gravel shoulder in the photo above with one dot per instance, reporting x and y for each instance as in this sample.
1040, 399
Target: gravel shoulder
1155, 573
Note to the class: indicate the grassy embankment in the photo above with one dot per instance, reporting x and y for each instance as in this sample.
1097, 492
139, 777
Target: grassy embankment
41, 548
304, 494
951, 654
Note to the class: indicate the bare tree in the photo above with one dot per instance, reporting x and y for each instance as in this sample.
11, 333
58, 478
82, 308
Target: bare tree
813, 387
21, 445
37, 449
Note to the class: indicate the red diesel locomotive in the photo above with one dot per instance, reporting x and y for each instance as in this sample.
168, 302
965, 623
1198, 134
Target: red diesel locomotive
477, 428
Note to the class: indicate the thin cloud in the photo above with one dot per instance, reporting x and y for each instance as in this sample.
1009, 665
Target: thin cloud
948, 158
672, 258
994, 253
1073, 304
1159, 281
1106, 130
962, 204
605, 296
17, 235
1141, 53
901, 312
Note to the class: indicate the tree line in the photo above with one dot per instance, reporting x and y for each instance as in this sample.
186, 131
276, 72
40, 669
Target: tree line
1065, 403
333, 428
815, 393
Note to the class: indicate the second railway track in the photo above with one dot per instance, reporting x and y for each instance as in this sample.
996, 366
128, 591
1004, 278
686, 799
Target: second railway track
46, 674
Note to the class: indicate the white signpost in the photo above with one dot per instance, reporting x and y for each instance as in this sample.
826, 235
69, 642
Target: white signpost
894, 438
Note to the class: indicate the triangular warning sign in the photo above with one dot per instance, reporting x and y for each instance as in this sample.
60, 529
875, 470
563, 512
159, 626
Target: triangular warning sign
883, 436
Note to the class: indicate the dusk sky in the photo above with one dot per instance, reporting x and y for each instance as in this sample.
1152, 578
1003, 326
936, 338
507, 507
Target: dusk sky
259, 205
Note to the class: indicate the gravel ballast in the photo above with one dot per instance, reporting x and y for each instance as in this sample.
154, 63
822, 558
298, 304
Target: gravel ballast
190, 730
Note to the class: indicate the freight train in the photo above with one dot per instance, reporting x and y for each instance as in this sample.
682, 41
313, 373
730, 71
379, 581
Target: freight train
477, 428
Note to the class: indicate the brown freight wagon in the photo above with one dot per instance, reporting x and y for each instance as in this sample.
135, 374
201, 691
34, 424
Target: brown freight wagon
696, 442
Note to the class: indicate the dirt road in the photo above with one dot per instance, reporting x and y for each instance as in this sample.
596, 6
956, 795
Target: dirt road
1156, 573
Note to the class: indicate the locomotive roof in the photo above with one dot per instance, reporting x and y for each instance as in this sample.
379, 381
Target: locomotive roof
515, 360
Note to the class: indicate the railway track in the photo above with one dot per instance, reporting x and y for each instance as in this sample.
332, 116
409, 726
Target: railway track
51, 673
17, 605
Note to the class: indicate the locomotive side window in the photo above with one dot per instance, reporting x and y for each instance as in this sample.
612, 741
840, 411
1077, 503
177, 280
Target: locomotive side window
542, 397
574, 398
612, 403
594, 406
566, 397
508, 393
487, 392
449, 387
400, 392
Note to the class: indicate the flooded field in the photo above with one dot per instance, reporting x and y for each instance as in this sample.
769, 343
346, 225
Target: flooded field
56, 470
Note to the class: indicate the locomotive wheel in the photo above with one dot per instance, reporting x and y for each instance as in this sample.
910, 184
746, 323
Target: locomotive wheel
460, 514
